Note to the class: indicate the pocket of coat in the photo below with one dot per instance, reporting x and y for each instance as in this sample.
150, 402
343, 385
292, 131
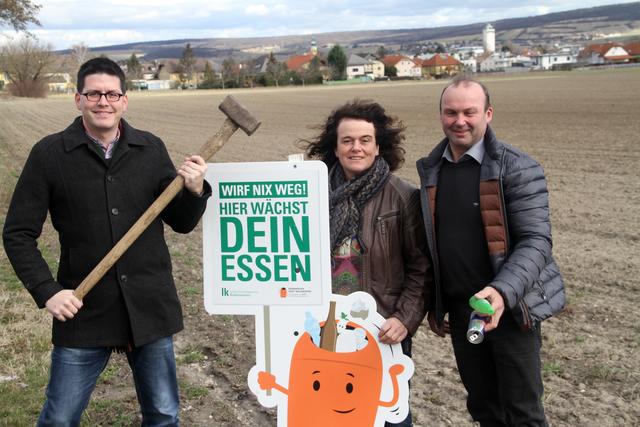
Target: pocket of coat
382, 221
386, 225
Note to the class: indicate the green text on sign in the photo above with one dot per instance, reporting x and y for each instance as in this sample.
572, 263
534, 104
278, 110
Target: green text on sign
264, 189
265, 249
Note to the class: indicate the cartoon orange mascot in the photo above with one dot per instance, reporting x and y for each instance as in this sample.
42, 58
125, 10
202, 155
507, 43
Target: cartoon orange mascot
329, 388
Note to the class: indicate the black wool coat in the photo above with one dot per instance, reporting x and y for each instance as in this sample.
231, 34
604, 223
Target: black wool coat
92, 203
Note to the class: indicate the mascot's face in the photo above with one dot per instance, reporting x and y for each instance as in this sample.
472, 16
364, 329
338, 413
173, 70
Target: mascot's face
332, 388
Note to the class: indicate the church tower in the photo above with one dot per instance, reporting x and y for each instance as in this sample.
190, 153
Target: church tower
489, 38
314, 47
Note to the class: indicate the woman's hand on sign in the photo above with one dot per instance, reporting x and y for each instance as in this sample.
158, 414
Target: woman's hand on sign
392, 331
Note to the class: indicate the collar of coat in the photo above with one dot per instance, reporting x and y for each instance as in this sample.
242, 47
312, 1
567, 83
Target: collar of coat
429, 167
491, 147
75, 135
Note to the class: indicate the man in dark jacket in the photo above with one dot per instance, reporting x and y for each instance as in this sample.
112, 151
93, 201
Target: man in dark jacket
485, 208
95, 179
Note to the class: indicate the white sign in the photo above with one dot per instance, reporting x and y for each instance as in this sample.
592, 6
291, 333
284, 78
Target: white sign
266, 243
266, 236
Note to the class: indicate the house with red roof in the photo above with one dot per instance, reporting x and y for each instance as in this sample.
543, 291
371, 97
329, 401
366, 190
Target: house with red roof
633, 49
603, 53
405, 66
299, 63
442, 64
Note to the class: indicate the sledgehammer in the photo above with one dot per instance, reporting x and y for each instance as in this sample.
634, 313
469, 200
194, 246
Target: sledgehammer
237, 117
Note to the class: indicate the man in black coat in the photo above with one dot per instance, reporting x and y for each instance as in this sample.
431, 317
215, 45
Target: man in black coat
485, 207
95, 179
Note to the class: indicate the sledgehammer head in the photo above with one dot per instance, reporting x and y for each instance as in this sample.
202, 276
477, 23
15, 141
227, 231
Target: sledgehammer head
239, 115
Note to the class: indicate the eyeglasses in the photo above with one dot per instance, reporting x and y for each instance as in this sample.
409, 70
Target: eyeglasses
94, 96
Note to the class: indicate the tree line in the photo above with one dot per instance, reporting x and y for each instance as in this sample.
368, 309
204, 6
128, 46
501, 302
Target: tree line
262, 71
27, 63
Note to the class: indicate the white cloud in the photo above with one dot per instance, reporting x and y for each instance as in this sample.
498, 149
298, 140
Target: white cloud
542, 10
256, 9
280, 8
61, 39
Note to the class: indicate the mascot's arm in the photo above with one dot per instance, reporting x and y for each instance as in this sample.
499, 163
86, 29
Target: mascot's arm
267, 381
394, 371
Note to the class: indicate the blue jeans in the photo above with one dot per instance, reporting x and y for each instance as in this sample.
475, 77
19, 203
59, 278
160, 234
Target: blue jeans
75, 371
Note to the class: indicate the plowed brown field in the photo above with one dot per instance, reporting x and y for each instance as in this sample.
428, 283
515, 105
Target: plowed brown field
582, 126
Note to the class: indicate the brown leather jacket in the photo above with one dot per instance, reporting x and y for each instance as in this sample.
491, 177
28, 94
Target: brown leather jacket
396, 268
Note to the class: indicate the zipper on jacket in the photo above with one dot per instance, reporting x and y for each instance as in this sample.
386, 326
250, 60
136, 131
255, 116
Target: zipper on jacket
381, 218
388, 215
543, 294
504, 206
365, 270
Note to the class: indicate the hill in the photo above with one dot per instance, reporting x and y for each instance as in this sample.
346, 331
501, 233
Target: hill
575, 26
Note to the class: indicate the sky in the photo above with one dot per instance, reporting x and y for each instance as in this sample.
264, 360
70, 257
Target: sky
103, 23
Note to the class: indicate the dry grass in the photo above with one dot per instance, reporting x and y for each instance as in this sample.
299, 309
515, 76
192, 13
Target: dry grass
582, 127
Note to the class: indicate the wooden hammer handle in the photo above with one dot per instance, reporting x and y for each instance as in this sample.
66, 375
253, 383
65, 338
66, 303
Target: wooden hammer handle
206, 151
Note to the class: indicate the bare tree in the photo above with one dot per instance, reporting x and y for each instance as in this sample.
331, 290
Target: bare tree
209, 81
229, 72
134, 67
312, 75
275, 70
79, 54
187, 66
26, 62
381, 52
18, 13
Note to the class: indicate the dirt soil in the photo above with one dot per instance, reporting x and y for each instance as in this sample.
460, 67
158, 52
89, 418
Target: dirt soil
582, 126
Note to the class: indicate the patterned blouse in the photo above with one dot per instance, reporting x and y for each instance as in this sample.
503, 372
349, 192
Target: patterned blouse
346, 267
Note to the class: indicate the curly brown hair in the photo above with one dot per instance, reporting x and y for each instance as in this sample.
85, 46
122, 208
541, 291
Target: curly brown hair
389, 133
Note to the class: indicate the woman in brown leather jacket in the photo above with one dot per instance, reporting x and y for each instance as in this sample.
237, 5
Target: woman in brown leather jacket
377, 236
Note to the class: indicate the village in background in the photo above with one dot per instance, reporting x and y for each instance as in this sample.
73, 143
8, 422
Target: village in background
30, 68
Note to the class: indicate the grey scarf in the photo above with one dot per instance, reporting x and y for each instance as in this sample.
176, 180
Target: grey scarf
347, 198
